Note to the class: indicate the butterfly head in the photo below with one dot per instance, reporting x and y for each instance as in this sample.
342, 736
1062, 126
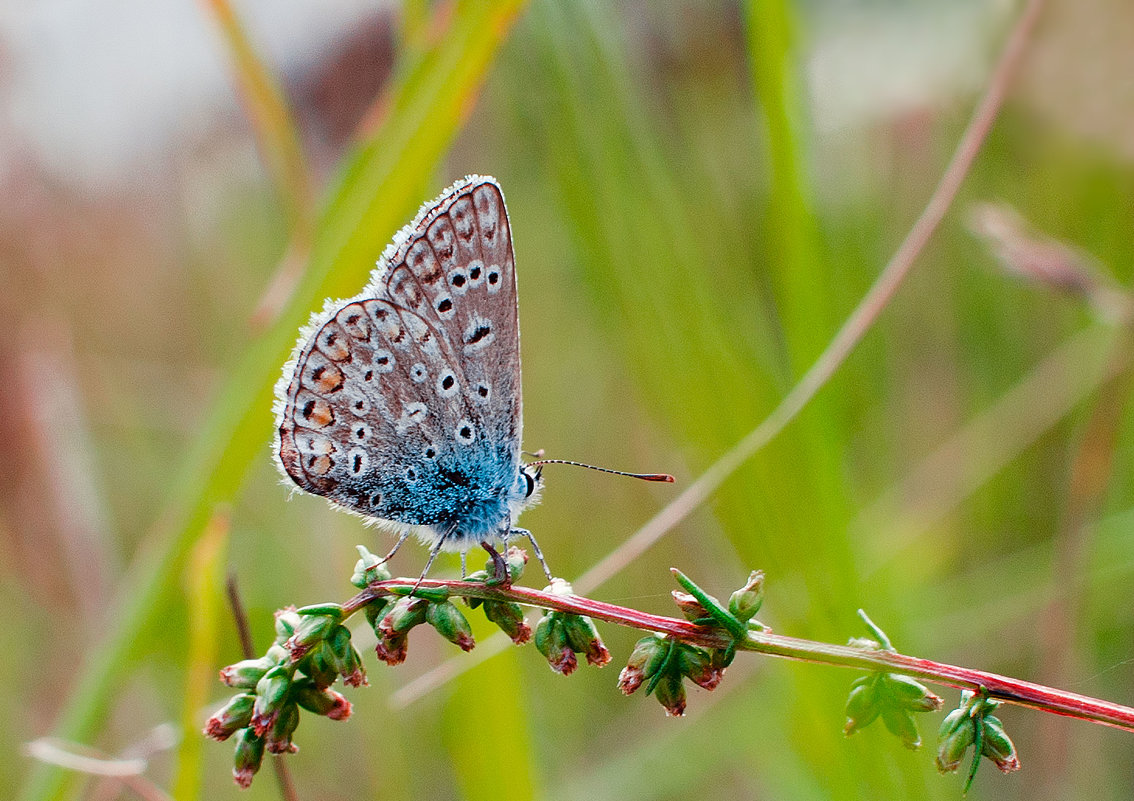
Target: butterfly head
529, 485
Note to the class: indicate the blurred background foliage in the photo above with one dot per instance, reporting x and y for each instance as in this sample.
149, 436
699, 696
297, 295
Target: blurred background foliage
699, 193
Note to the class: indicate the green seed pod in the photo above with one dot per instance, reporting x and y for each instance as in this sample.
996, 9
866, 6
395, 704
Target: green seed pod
245, 674
343, 658
956, 735
901, 724
231, 718
287, 621
447, 619
510, 618
998, 746
249, 755
583, 638
645, 661
862, 705
367, 569
551, 640
746, 602
909, 693
697, 665
670, 692
278, 737
516, 559
316, 665
321, 701
403, 616
376, 610
271, 692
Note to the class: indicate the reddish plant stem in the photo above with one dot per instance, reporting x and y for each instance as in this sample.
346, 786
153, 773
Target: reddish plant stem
1001, 688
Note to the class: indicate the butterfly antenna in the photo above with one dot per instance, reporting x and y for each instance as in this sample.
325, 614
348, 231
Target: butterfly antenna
666, 477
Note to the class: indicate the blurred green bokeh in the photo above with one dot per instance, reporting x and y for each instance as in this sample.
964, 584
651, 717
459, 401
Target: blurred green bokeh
699, 195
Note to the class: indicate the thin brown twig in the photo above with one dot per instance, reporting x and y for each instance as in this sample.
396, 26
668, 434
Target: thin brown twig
248, 648
239, 617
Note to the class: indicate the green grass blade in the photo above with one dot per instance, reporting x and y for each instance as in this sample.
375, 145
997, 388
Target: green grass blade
204, 580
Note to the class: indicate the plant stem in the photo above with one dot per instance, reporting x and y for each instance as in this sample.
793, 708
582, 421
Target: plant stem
996, 686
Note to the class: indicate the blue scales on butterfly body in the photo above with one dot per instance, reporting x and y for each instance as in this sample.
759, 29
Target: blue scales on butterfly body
403, 403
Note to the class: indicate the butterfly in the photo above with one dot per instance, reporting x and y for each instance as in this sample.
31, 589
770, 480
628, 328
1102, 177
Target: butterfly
403, 403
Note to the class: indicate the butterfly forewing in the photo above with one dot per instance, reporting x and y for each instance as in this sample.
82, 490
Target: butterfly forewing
404, 403
459, 273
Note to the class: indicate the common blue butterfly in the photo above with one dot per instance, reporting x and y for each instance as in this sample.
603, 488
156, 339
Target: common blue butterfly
402, 404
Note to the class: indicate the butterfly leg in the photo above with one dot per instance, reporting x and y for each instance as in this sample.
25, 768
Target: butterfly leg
464, 564
436, 549
500, 573
404, 536
523, 532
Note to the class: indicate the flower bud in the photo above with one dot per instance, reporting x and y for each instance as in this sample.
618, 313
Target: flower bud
317, 666
447, 619
670, 692
392, 648
278, 738
321, 701
516, 559
551, 640
369, 568
722, 657
231, 718
697, 665
376, 610
862, 705
997, 746
249, 755
954, 737
271, 692
510, 618
645, 661
344, 658
691, 609
901, 724
245, 673
312, 629
746, 602
286, 623
559, 586
404, 614
909, 693
584, 638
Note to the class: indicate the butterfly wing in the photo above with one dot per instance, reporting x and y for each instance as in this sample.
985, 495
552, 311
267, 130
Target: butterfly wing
460, 276
403, 404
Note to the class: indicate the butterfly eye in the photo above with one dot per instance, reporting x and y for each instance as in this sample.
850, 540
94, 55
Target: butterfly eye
531, 485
